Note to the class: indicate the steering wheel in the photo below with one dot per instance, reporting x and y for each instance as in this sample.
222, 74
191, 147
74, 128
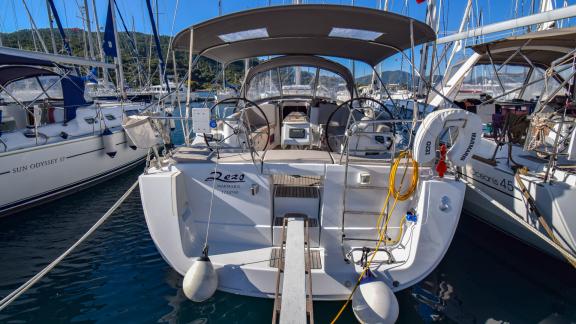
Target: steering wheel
243, 120
355, 111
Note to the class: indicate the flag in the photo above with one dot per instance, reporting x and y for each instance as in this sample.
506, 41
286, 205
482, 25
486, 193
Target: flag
420, 1
109, 45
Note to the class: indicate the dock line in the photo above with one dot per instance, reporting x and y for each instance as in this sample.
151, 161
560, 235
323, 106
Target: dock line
6, 301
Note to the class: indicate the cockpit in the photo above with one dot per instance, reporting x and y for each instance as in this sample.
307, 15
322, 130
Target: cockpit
299, 102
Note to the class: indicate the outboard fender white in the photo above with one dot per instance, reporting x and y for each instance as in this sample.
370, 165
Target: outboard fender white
108, 141
200, 281
469, 133
374, 302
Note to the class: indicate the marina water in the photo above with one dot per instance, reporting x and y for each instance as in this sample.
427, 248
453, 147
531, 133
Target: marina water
117, 275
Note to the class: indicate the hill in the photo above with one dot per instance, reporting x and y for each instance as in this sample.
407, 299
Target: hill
140, 64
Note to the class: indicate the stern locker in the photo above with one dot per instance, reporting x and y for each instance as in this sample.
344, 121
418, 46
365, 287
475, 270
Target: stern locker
363, 204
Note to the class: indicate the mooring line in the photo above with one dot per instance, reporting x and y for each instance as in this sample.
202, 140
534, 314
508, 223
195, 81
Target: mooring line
6, 301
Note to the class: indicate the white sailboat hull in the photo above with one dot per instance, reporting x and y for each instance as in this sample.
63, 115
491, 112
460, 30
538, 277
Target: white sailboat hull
243, 234
41, 173
555, 201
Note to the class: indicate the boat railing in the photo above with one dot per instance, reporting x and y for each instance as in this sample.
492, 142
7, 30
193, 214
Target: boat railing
541, 119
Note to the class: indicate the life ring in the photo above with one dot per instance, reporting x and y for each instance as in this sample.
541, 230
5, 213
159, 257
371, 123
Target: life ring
469, 132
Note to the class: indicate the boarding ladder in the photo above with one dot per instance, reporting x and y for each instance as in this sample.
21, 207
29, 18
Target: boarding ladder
348, 160
293, 297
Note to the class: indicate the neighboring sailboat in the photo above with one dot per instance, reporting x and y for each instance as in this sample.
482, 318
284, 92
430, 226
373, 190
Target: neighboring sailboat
54, 140
522, 179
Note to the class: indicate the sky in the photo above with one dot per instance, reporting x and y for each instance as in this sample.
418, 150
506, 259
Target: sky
175, 15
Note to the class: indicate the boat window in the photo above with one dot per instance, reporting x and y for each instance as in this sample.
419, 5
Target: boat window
264, 85
244, 35
535, 90
482, 79
90, 120
332, 86
361, 34
34, 88
297, 80
131, 112
110, 117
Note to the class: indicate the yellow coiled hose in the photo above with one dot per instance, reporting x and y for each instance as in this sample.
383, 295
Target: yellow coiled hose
382, 228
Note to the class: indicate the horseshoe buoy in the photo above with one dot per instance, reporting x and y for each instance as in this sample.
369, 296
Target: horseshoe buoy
469, 132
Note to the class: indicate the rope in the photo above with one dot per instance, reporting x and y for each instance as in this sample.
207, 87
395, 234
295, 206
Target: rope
560, 249
6, 301
397, 197
539, 216
205, 249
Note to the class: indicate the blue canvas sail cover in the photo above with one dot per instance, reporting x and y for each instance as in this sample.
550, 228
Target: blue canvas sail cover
92, 76
73, 93
109, 45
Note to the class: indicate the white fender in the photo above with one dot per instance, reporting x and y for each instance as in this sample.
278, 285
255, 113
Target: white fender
374, 302
200, 281
108, 141
469, 133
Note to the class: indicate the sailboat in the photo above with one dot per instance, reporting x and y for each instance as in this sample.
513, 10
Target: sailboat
289, 172
526, 152
54, 139
522, 180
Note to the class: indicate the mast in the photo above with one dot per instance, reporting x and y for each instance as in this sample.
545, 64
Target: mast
160, 57
458, 44
118, 51
162, 64
89, 29
140, 76
84, 40
546, 5
60, 28
298, 71
378, 70
99, 40
51, 22
246, 67
223, 66
432, 22
34, 28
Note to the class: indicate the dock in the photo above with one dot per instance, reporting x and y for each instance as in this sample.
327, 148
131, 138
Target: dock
293, 297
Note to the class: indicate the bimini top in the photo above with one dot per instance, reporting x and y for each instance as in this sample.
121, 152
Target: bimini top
12, 73
356, 33
541, 47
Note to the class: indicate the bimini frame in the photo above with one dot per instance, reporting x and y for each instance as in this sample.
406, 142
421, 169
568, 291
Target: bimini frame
327, 30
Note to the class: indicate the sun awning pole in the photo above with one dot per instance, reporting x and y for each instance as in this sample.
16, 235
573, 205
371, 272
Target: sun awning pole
188, 91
